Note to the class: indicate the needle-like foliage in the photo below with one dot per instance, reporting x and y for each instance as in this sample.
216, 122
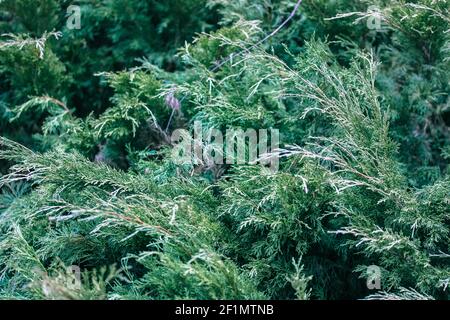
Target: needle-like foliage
357, 89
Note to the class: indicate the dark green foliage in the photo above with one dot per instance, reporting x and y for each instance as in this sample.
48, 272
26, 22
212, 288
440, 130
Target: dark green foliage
363, 116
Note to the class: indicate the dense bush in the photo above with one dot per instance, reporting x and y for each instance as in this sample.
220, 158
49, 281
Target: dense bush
88, 179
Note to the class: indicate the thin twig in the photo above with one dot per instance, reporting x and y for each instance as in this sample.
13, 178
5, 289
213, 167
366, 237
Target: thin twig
57, 102
170, 119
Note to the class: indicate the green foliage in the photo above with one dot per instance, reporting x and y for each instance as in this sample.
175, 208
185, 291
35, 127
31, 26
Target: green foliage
89, 179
